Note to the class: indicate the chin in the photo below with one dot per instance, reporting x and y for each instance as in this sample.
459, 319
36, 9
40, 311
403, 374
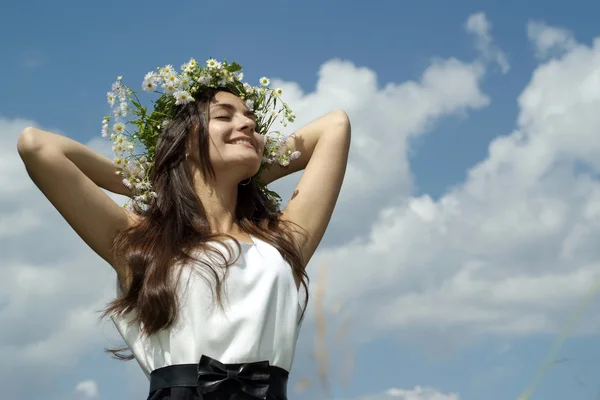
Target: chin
251, 166
255, 169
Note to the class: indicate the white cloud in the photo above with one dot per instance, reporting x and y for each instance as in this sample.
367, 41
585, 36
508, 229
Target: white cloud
18, 223
511, 250
505, 252
549, 40
478, 25
417, 393
89, 389
60, 284
52, 286
384, 121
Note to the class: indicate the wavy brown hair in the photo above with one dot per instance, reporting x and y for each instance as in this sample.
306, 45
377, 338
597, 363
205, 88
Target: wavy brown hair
176, 225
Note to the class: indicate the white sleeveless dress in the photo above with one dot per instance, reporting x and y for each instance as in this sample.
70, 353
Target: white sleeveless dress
259, 319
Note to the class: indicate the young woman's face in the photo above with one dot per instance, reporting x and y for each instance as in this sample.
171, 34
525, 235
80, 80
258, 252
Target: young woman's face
234, 145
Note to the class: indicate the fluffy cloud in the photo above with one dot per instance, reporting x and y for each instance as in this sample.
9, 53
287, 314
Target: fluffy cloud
89, 389
513, 248
549, 40
505, 252
478, 25
58, 283
52, 286
418, 393
384, 121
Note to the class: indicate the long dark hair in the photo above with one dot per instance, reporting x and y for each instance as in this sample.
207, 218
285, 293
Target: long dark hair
176, 225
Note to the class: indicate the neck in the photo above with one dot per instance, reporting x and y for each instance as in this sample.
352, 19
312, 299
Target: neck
219, 198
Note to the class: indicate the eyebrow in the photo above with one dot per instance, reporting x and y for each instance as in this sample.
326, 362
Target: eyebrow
230, 107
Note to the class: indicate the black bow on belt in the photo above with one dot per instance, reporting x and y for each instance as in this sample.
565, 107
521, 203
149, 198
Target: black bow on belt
253, 377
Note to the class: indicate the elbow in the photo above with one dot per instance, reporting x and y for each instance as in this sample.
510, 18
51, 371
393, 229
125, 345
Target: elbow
341, 122
340, 117
28, 141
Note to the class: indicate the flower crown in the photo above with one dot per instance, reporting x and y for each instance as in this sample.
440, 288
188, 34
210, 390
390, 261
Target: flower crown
133, 125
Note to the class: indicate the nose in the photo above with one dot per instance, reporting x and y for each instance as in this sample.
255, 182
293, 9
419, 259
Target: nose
246, 124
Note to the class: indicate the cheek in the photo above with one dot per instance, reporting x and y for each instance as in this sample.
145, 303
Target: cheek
261, 142
216, 133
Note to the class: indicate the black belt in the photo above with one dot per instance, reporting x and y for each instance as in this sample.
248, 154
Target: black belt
258, 379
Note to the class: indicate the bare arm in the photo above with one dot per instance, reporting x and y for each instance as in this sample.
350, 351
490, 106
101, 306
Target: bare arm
324, 144
70, 175
304, 140
98, 168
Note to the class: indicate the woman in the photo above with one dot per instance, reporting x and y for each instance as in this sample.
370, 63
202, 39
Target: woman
208, 267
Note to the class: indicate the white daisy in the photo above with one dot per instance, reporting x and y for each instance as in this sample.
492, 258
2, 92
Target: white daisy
213, 64
118, 148
189, 68
182, 97
168, 69
150, 82
169, 87
148, 86
264, 81
119, 128
110, 96
171, 78
117, 87
279, 91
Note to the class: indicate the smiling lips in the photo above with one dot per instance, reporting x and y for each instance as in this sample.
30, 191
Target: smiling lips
243, 141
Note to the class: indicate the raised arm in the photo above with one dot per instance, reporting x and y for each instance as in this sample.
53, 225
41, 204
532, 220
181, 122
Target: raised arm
70, 175
324, 145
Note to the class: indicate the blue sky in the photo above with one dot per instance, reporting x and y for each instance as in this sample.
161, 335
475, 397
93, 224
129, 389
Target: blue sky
62, 58
68, 53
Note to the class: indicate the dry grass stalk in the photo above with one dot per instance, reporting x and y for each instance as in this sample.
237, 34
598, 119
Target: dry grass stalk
321, 354
320, 351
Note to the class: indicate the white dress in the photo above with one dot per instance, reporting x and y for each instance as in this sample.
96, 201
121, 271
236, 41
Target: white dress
259, 319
